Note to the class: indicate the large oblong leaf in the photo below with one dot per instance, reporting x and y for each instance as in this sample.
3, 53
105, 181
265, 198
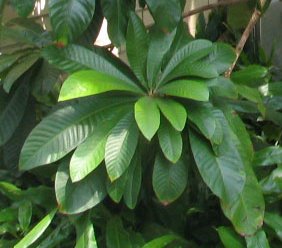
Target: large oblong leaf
169, 180
74, 198
87, 83
147, 116
69, 18
120, 146
66, 128
174, 112
191, 89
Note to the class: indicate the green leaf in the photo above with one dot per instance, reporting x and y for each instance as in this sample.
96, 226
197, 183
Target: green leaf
23, 8
274, 89
120, 146
12, 115
275, 222
65, 129
74, 198
161, 242
160, 43
18, 70
137, 47
69, 18
222, 57
7, 60
249, 93
191, 89
169, 180
116, 13
224, 173
133, 183
87, 83
229, 238
193, 51
258, 240
85, 236
268, 156
170, 141
252, 75
116, 188
25, 214
272, 184
116, 235
170, 9
174, 112
147, 116
85, 160
37, 231
223, 87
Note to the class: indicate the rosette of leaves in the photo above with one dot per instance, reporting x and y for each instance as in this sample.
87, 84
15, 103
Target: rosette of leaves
173, 91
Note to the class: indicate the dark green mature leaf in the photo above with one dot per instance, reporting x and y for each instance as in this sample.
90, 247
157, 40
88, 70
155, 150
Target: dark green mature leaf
229, 238
87, 83
116, 13
13, 113
272, 184
147, 116
116, 235
258, 240
120, 146
65, 129
69, 18
85, 160
191, 89
268, 156
23, 8
174, 112
75, 58
170, 141
7, 60
137, 47
160, 43
74, 198
223, 87
37, 231
116, 188
161, 242
275, 222
191, 52
169, 180
170, 9
25, 214
274, 89
85, 236
224, 173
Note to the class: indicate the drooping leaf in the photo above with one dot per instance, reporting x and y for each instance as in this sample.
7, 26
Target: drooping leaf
116, 235
275, 222
120, 146
268, 156
91, 153
174, 112
160, 242
229, 238
74, 198
65, 129
191, 89
170, 141
23, 8
87, 83
258, 240
24, 215
69, 18
147, 116
137, 47
223, 87
169, 180
116, 188
12, 115
37, 231
170, 9
7, 60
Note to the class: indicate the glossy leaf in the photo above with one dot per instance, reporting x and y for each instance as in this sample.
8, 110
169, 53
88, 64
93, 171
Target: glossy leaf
116, 235
25, 214
147, 116
268, 156
161, 242
120, 146
65, 129
87, 83
174, 112
74, 198
37, 231
170, 141
69, 18
169, 180
229, 238
190, 89
137, 47
258, 240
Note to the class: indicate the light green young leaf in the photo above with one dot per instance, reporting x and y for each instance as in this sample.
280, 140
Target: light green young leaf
25, 214
87, 83
229, 238
259, 240
147, 116
161, 242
